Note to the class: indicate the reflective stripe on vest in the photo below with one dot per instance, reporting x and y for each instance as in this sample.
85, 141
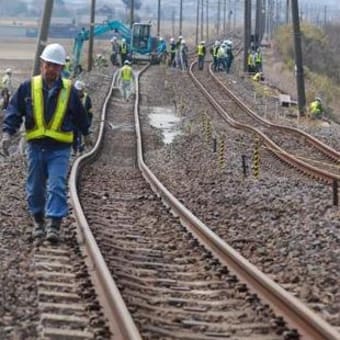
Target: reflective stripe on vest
51, 130
126, 72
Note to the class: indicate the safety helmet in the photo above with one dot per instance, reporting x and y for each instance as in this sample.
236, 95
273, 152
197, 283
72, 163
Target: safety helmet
54, 53
180, 37
172, 39
161, 39
8, 71
127, 62
202, 42
79, 85
67, 58
123, 39
318, 99
217, 43
183, 42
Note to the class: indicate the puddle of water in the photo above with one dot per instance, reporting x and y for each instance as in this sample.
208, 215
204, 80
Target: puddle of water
165, 118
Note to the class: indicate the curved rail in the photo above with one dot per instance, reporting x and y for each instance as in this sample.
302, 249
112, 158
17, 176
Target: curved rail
273, 147
324, 148
108, 293
294, 312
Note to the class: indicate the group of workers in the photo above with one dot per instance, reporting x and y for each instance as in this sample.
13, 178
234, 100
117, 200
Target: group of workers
56, 114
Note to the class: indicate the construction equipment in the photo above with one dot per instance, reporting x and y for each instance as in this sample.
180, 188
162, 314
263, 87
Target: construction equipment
141, 45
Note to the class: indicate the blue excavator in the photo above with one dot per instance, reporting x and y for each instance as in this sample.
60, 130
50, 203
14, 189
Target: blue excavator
141, 44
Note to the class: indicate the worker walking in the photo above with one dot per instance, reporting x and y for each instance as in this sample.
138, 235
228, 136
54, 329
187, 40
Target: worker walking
77, 145
50, 107
115, 51
172, 53
315, 108
125, 80
201, 51
123, 51
6, 88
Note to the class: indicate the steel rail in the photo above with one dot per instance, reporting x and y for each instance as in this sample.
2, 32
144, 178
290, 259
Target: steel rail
121, 324
306, 168
294, 311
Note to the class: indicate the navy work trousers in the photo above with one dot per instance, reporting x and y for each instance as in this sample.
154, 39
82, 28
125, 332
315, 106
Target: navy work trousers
46, 181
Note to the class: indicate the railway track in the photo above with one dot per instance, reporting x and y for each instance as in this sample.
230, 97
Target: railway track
293, 146
174, 280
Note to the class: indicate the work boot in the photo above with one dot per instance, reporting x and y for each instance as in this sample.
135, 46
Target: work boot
38, 226
52, 230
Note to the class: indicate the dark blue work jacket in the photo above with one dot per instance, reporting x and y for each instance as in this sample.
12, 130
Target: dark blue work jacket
21, 106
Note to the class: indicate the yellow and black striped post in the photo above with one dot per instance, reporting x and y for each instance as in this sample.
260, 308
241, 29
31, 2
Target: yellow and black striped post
208, 130
203, 122
221, 161
256, 158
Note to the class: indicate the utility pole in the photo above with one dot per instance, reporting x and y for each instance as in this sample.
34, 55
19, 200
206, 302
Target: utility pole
202, 20
229, 16
92, 21
298, 58
287, 11
43, 35
207, 19
224, 16
180, 16
197, 20
132, 9
257, 23
247, 32
218, 18
159, 19
173, 22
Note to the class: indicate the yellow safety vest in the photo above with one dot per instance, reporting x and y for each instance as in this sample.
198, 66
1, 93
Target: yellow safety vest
53, 128
126, 72
200, 50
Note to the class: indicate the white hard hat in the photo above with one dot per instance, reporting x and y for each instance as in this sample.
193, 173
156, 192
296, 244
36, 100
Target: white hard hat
127, 62
180, 37
172, 39
54, 53
318, 99
123, 39
8, 71
217, 42
161, 39
79, 85
114, 39
183, 42
202, 42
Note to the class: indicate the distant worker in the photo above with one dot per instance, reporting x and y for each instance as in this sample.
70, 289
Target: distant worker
49, 106
67, 70
258, 76
125, 80
315, 108
100, 62
115, 51
123, 51
178, 52
172, 53
77, 145
229, 55
258, 60
183, 52
162, 50
6, 88
201, 51
251, 62
214, 53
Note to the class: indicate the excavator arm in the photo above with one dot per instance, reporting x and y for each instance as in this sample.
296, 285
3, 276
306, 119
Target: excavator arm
84, 35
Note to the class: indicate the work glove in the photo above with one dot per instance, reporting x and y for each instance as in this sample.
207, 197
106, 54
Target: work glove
88, 141
5, 143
